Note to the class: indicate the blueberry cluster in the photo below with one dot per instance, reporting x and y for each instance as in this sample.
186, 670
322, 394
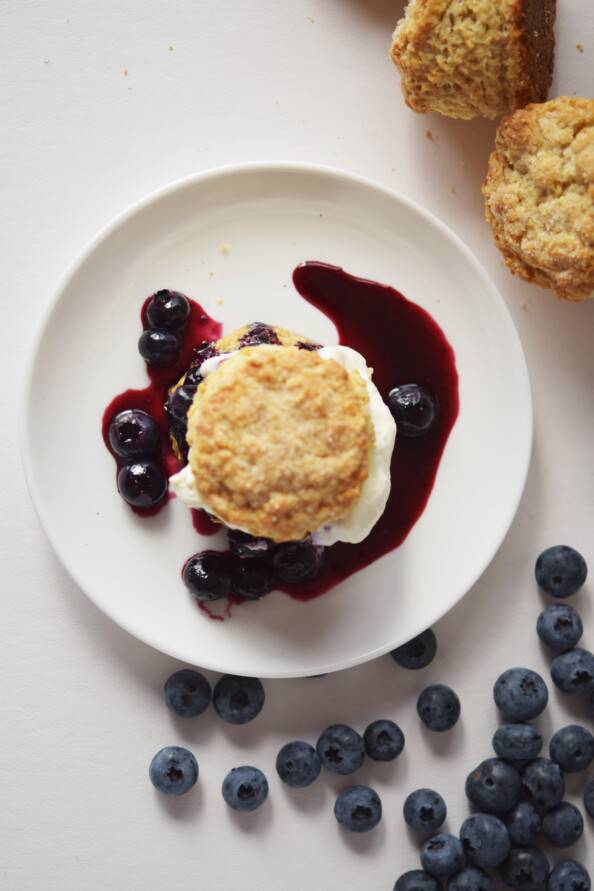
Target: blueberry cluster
167, 314
251, 567
181, 398
135, 439
519, 794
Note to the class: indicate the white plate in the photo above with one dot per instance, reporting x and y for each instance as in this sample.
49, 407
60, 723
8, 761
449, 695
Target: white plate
272, 217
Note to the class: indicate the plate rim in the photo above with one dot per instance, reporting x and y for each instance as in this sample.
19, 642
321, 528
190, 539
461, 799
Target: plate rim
263, 167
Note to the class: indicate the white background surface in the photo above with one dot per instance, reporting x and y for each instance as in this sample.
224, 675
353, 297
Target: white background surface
81, 712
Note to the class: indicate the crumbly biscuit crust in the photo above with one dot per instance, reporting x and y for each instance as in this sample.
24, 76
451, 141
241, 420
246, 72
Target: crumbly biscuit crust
280, 441
539, 195
471, 58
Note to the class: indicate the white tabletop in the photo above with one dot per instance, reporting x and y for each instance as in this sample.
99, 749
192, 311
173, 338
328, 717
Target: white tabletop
101, 102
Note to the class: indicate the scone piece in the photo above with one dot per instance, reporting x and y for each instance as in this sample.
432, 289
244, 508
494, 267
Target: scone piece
539, 195
280, 441
467, 58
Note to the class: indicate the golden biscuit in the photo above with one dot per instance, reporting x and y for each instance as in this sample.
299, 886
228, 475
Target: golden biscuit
280, 441
467, 58
539, 195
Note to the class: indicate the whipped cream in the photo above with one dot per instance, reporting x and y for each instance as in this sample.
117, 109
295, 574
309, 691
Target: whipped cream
360, 520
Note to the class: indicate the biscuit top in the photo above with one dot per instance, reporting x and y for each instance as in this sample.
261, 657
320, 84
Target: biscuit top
280, 441
539, 195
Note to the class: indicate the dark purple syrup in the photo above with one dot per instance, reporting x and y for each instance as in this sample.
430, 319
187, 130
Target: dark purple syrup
200, 327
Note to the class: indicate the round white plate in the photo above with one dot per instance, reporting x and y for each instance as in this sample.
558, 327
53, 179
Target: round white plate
231, 238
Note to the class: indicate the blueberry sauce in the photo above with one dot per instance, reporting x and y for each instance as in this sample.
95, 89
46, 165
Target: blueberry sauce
200, 327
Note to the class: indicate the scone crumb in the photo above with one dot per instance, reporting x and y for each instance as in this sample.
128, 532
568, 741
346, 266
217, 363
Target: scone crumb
431, 137
225, 249
579, 47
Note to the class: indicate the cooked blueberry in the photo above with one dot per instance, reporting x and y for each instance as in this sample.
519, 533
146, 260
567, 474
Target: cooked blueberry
207, 576
425, 810
569, 875
238, 700
520, 694
341, 749
251, 579
142, 484
573, 672
158, 347
297, 561
205, 350
589, 798
133, 434
415, 410
544, 783
517, 742
438, 707
298, 764
358, 809
168, 309
485, 840
418, 652
470, 879
563, 826
257, 334
560, 571
572, 748
244, 545
559, 627
245, 788
173, 770
523, 824
526, 869
442, 855
187, 693
306, 345
495, 787
383, 740
416, 880
179, 403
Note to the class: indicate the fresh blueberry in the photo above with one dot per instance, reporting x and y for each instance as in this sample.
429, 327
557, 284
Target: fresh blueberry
442, 855
158, 347
520, 694
526, 869
169, 310
173, 770
245, 546
142, 484
523, 824
418, 652
425, 810
358, 809
563, 826
572, 748
589, 798
495, 787
245, 788
415, 410
544, 782
559, 627
517, 742
438, 707
133, 434
178, 404
187, 693
298, 764
238, 700
258, 334
384, 740
560, 571
207, 576
573, 672
470, 879
485, 840
341, 749
569, 875
416, 880
251, 579
297, 561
